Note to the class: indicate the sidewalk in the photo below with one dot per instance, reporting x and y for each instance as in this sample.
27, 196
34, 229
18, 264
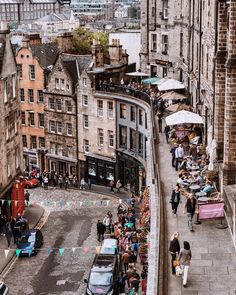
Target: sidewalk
213, 265
33, 215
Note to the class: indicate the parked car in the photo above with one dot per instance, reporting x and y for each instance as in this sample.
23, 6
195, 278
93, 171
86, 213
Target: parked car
109, 246
103, 275
4, 290
30, 242
31, 182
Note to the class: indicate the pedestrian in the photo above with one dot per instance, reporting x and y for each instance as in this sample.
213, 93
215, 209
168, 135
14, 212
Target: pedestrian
184, 258
60, 181
125, 260
166, 131
66, 182
3, 222
8, 235
118, 185
13, 230
89, 183
45, 182
100, 230
160, 123
174, 249
135, 280
82, 183
175, 199
27, 196
107, 222
190, 208
129, 274
111, 184
179, 154
172, 151
121, 283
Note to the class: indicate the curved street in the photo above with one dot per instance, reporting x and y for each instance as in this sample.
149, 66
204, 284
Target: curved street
52, 272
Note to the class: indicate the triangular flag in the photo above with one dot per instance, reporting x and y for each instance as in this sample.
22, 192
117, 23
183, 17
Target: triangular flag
6, 252
9, 202
3, 202
108, 202
73, 250
61, 250
49, 250
86, 249
62, 204
94, 203
29, 252
80, 203
17, 252
120, 201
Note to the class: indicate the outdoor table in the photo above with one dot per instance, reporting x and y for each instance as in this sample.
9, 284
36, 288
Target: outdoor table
200, 195
194, 187
203, 199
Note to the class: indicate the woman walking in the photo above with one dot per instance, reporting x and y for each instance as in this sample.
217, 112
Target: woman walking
174, 249
175, 199
185, 256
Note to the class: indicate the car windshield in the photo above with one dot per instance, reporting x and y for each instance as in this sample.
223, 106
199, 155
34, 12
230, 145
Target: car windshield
28, 239
108, 250
100, 278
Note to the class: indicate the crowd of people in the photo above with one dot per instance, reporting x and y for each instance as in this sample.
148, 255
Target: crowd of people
125, 230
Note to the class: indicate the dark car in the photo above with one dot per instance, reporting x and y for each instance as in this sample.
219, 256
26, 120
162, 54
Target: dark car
30, 242
4, 290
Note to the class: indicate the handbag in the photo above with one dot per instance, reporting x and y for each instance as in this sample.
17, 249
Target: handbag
175, 263
178, 270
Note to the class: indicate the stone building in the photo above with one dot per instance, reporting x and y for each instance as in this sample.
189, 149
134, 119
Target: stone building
61, 113
25, 11
11, 155
33, 62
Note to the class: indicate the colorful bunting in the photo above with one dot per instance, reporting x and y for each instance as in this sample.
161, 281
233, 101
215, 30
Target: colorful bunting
17, 252
61, 250
6, 251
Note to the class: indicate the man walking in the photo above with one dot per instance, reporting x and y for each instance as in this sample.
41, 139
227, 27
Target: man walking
8, 235
167, 130
100, 230
190, 207
179, 154
27, 196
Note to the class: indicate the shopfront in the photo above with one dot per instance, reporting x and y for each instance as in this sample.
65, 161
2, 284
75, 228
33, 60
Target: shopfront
100, 171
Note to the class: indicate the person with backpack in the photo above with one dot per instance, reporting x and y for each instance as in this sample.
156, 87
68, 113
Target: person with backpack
111, 184
121, 283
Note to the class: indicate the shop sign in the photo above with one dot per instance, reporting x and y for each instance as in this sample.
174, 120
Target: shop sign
209, 211
163, 63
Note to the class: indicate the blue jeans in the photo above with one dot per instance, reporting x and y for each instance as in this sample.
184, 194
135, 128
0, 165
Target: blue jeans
190, 220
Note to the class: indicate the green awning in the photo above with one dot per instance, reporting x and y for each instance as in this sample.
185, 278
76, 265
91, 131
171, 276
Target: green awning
150, 80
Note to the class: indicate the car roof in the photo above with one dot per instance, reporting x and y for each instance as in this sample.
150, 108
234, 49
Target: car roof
30, 232
101, 269
109, 243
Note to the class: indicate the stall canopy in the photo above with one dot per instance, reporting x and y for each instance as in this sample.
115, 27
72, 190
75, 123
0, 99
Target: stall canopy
151, 80
183, 117
137, 74
171, 84
179, 107
172, 95
160, 81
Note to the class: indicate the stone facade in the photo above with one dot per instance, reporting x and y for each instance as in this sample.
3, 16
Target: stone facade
11, 155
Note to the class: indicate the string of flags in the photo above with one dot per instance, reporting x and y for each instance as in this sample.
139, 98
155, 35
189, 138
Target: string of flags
61, 250
65, 204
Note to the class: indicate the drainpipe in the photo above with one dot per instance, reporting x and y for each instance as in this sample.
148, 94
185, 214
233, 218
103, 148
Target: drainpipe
77, 134
200, 51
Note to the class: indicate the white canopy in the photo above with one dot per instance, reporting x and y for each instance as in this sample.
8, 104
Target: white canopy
170, 84
137, 74
183, 117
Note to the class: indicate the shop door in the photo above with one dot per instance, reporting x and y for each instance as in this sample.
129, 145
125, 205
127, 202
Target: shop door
101, 173
62, 168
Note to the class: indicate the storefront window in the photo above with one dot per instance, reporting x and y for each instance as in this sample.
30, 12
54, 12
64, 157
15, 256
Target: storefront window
92, 168
110, 173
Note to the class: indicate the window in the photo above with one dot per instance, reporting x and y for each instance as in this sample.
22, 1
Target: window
59, 104
100, 108
14, 86
86, 146
31, 118
181, 45
31, 95
123, 136
33, 142
85, 119
110, 138
15, 122
22, 94
132, 114
84, 82
145, 120
32, 72
8, 165
122, 111
51, 103
140, 117
68, 106
5, 84
85, 100
57, 83
100, 137
40, 96
59, 127
164, 72
23, 118
154, 42
20, 71
7, 128
132, 139
17, 158
110, 109
41, 120
42, 142
62, 84
24, 140
52, 126
69, 128
164, 44
165, 9
140, 144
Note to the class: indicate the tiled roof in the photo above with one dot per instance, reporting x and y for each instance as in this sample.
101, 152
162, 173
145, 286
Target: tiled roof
53, 17
32, 1
46, 53
2, 50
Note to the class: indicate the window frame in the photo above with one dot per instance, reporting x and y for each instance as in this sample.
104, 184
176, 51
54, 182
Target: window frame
32, 75
100, 137
40, 120
85, 121
69, 127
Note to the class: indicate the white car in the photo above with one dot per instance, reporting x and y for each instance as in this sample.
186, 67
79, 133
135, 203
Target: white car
109, 246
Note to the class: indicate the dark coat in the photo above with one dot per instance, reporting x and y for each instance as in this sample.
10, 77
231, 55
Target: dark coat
101, 228
174, 193
174, 246
190, 205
